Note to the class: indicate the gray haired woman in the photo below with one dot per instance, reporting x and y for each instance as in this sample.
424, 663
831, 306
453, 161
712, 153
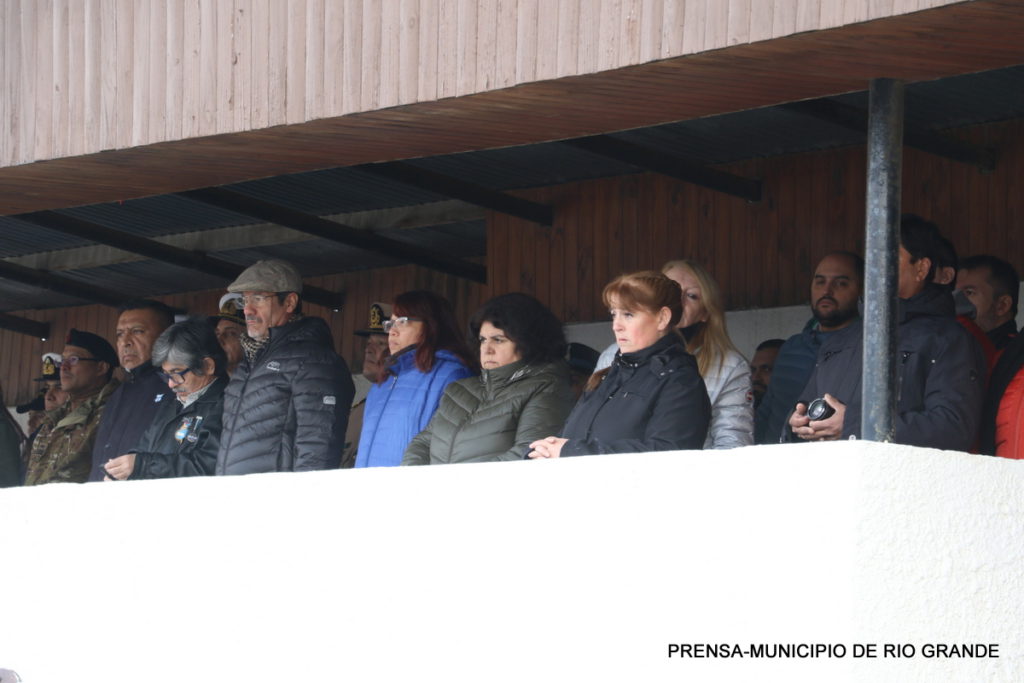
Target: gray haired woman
184, 437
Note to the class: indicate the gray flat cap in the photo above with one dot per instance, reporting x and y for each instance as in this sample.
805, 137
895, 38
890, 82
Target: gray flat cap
272, 275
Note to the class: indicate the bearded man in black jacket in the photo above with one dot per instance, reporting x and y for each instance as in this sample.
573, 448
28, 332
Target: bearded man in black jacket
941, 369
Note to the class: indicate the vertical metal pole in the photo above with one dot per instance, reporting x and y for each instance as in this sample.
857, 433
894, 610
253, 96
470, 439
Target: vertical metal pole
885, 166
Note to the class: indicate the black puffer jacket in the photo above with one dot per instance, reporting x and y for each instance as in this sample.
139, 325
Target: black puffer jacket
495, 416
182, 442
941, 375
651, 400
288, 409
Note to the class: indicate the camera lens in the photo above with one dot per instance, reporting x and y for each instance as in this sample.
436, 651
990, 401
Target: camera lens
819, 410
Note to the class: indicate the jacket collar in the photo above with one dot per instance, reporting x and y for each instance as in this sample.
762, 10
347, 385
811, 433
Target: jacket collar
933, 300
638, 358
139, 372
506, 374
405, 360
85, 409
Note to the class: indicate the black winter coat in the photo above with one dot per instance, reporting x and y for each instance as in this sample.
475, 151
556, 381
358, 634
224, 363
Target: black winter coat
182, 442
129, 412
650, 400
941, 375
288, 409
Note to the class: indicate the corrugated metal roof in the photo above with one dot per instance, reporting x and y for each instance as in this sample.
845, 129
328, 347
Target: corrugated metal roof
155, 216
339, 190
18, 238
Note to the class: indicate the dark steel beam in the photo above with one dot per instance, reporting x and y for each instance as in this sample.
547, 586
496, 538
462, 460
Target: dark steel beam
856, 119
460, 189
47, 280
885, 169
32, 328
652, 160
337, 232
158, 251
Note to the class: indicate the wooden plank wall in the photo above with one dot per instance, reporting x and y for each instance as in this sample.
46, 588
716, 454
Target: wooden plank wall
762, 254
83, 76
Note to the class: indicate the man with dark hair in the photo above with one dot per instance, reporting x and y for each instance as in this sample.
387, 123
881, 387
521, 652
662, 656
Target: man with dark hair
287, 405
61, 450
992, 285
132, 407
835, 293
184, 437
761, 366
941, 370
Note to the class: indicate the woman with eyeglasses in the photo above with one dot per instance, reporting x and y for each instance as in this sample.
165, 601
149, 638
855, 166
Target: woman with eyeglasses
652, 398
184, 437
426, 354
523, 392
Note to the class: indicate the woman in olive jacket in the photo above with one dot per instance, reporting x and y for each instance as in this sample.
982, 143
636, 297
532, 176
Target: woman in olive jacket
523, 391
652, 398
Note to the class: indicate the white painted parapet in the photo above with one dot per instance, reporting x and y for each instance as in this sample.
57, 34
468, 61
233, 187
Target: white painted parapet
585, 569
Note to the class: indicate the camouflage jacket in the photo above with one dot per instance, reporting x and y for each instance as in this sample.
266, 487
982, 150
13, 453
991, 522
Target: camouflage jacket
62, 450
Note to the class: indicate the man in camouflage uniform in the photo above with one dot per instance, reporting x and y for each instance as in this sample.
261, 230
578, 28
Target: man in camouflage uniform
62, 450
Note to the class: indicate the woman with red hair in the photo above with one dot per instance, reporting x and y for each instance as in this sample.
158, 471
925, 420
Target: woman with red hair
652, 398
426, 354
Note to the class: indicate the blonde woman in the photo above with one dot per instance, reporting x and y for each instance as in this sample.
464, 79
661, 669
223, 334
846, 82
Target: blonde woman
725, 371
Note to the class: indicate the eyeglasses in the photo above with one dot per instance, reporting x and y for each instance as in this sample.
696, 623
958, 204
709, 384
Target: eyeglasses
400, 322
175, 378
73, 360
254, 299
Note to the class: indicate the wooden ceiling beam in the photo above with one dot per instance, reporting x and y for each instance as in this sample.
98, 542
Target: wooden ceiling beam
32, 328
456, 188
854, 118
659, 162
158, 251
337, 232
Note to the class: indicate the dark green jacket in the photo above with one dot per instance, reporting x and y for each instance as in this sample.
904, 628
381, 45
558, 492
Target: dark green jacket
495, 416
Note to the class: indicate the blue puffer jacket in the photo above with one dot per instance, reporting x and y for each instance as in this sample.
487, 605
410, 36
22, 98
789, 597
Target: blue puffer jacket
400, 407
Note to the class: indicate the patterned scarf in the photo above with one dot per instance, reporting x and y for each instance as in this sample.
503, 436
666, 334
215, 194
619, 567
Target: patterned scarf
252, 347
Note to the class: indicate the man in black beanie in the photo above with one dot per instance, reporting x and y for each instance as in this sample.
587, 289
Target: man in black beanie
62, 449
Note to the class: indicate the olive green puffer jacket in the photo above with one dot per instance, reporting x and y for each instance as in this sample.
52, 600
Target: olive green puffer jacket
495, 416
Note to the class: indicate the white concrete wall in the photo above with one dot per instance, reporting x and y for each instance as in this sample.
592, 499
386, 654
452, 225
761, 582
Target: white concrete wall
583, 569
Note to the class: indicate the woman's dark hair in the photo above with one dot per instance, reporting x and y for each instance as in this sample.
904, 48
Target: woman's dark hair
188, 343
921, 239
440, 331
528, 323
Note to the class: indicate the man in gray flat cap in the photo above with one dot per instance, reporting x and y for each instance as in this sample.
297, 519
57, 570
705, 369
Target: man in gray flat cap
286, 407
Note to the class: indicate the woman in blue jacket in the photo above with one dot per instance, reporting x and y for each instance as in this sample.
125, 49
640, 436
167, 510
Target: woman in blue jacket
427, 353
